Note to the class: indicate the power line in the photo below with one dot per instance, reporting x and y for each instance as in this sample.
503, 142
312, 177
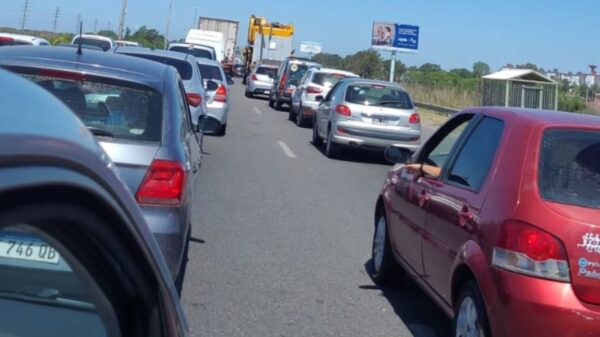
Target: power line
25, 11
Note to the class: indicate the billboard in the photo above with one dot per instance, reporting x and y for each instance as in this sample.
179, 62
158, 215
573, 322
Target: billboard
395, 37
311, 47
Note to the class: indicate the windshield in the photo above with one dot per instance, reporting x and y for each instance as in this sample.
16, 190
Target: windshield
197, 52
105, 45
378, 95
570, 167
296, 71
327, 79
266, 71
209, 72
183, 67
110, 109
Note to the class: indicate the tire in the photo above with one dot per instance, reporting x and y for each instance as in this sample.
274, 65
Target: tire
249, 94
291, 115
184, 261
384, 267
271, 102
470, 318
278, 105
223, 130
316, 139
300, 120
332, 150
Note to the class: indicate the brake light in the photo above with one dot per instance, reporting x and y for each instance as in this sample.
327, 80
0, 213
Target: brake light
529, 250
343, 110
254, 78
6, 39
221, 94
282, 82
414, 118
313, 90
62, 74
194, 99
163, 184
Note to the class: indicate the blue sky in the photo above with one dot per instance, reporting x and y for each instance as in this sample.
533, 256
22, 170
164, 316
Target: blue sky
550, 33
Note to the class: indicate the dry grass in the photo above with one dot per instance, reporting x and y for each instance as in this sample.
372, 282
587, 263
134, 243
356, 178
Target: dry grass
448, 97
432, 118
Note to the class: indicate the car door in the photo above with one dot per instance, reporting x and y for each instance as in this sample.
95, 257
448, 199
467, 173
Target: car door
324, 110
297, 97
455, 202
411, 192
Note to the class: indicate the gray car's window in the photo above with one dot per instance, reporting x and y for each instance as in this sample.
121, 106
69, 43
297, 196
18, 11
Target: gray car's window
378, 95
184, 108
266, 71
183, 67
326, 79
569, 168
116, 110
295, 72
210, 72
197, 52
42, 292
105, 45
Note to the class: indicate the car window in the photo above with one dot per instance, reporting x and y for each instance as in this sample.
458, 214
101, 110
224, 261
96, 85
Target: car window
183, 67
185, 110
210, 72
326, 79
105, 45
109, 108
378, 95
569, 168
438, 148
332, 92
266, 71
295, 73
197, 52
476, 156
45, 289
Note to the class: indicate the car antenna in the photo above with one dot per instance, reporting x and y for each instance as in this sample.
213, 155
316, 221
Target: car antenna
79, 51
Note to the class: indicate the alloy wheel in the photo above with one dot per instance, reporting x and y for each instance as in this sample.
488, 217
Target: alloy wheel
467, 322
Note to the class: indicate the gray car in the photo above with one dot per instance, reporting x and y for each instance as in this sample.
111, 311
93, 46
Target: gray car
217, 86
137, 110
260, 80
76, 256
368, 114
188, 70
199, 51
288, 78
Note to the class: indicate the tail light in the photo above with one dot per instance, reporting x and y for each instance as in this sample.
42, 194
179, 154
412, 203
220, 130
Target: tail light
163, 184
254, 78
343, 110
221, 94
194, 99
313, 90
282, 82
6, 39
67, 75
414, 118
529, 250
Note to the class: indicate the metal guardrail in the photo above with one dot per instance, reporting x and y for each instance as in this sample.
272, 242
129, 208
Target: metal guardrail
436, 108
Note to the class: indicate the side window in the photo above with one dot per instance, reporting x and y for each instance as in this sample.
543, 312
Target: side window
438, 148
306, 78
331, 93
185, 110
476, 156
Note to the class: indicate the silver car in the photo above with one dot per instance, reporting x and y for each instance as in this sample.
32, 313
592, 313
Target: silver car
316, 82
188, 70
199, 51
217, 87
369, 114
260, 80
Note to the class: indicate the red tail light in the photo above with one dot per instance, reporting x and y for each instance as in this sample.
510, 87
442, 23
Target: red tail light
527, 249
343, 110
67, 75
313, 90
282, 82
221, 94
6, 39
414, 118
194, 99
163, 184
254, 78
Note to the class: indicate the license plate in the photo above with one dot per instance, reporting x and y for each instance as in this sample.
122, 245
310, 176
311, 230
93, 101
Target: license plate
267, 92
379, 120
19, 247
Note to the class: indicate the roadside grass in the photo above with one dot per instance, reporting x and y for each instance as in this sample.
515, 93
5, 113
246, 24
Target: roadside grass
432, 118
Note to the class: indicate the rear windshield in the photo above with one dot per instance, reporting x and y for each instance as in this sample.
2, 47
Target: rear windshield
209, 72
266, 71
201, 53
569, 169
183, 67
105, 45
295, 72
327, 80
378, 95
110, 109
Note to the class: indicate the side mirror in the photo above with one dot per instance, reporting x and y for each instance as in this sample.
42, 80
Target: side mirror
208, 125
210, 85
229, 80
320, 98
397, 155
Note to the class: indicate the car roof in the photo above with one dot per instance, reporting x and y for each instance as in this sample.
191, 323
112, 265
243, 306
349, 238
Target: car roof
191, 45
93, 36
92, 62
266, 65
334, 71
358, 80
22, 37
546, 117
153, 52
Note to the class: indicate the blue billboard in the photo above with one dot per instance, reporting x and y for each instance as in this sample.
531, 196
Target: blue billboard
395, 37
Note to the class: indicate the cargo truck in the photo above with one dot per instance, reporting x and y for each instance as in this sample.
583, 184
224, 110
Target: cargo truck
228, 29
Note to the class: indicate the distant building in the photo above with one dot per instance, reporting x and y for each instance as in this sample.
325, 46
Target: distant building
587, 79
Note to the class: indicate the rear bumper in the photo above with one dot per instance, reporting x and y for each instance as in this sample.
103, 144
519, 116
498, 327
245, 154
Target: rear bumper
218, 111
309, 108
356, 135
528, 306
259, 87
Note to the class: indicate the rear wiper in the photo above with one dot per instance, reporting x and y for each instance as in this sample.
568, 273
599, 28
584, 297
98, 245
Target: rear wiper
100, 132
389, 102
47, 297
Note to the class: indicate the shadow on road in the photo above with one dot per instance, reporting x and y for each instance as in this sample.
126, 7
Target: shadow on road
418, 312
358, 156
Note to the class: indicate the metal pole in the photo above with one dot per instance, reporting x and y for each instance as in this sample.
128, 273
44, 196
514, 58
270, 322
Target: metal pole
168, 23
25, 10
122, 18
393, 67
195, 16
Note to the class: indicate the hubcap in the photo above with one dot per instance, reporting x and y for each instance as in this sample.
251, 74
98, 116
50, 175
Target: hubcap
467, 322
379, 244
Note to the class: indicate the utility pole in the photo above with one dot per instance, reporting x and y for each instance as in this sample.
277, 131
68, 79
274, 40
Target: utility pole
78, 22
25, 11
168, 23
95, 25
55, 21
195, 18
122, 18
393, 67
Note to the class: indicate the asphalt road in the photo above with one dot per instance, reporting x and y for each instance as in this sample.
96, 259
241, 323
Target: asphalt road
287, 237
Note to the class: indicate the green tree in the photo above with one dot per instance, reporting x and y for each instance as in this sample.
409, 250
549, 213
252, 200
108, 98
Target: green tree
366, 63
462, 72
108, 33
399, 71
480, 69
527, 65
329, 60
127, 33
149, 38
430, 67
61, 38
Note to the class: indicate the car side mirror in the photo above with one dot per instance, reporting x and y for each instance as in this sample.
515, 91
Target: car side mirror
320, 98
397, 154
211, 85
230, 80
206, 124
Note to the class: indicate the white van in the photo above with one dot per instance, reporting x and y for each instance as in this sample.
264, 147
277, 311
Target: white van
208, 38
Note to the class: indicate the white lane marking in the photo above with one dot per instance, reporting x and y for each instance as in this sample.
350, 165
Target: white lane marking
257, 111
288, 152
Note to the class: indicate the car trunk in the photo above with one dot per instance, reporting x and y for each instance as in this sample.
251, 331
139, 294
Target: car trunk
132, 161
382, 116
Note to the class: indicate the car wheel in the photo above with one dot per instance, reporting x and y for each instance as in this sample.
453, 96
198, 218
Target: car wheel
384, 267
184, 261
278, 105
223, 130
316, 139
291, 114
331, 149
300, 117
470, 319
271, 102
249, 94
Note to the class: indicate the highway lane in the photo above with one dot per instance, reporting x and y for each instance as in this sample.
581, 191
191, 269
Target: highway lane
287, 237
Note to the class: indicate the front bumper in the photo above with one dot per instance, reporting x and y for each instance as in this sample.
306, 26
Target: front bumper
360, 135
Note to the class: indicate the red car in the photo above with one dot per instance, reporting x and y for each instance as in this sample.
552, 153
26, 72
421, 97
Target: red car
497, 218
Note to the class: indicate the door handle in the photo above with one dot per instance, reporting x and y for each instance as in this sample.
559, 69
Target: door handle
464, 216
423, 198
